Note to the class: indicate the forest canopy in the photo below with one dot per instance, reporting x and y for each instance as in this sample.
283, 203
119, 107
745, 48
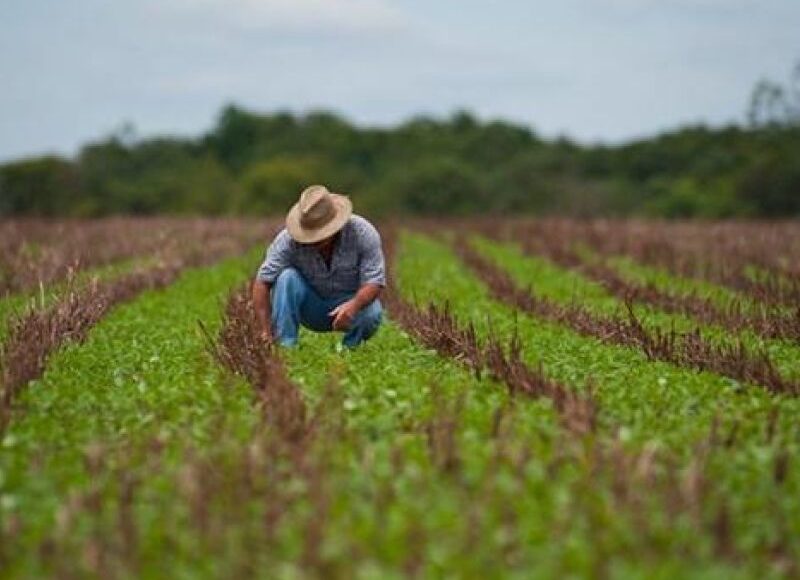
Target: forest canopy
252, 164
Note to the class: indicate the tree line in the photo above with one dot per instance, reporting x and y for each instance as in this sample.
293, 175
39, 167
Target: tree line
250, 164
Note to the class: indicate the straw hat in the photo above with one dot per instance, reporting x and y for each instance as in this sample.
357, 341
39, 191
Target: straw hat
319, 214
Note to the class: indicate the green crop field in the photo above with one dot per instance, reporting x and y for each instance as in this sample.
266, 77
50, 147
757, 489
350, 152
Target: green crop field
546, 398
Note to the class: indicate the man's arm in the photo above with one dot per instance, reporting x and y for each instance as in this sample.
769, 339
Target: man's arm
344, 314
372, 275
278, 257
366, 294
262, 307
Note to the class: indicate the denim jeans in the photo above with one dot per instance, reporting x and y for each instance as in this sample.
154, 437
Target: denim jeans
294, 302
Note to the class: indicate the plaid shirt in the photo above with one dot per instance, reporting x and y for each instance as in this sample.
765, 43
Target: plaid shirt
357, 260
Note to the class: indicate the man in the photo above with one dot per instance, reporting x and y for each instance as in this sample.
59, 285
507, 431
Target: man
325, 270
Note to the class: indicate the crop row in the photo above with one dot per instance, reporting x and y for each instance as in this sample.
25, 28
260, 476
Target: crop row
758, 259
652, 402
467, 438
595, 251
139, 380
736, 313
241, 349
30, 337
37, 251
435, 328
324, 497
691, 349
566, 286
37, 334
559, 347
14, 304
679, 488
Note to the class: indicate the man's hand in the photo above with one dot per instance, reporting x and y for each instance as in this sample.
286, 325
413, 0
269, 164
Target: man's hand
344, 314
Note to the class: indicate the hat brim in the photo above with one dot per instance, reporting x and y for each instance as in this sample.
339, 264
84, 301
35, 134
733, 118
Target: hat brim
344, 209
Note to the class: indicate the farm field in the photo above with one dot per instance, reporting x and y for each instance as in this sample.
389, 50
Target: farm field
546, 398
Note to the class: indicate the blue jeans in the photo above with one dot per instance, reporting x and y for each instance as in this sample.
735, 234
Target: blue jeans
294, 302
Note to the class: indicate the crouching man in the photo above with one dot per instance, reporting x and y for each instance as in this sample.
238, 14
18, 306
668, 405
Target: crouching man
324, 270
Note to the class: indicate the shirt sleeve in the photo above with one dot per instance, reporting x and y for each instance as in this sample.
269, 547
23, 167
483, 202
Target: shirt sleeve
372, 266
277, 258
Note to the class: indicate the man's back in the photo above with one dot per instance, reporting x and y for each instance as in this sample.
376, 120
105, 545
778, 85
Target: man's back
357, 259
324, 272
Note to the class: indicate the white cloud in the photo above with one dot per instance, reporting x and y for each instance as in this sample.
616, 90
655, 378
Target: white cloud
688, 4
607, 69
311, 16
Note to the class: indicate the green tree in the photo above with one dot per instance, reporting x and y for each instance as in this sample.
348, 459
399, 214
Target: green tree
47, 186
776, 105
272, 186
771, 186
435, 186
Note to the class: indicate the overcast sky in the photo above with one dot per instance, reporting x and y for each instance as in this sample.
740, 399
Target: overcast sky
596, 70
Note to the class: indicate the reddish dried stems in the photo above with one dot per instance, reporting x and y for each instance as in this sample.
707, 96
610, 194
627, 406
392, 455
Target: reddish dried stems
241, 349
436, 328
690, 349
769, 321
638, 478
721, 252
34, 251
37, 333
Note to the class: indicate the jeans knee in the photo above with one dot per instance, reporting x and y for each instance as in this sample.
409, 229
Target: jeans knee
288, 277
371, 315
290, 288
365, 325
290, 283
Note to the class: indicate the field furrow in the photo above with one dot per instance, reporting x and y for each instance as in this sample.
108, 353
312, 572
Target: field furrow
737, 315
36, 335
41, 251
461, 471
470, 437
757, 261
141, 377
744, 356
750, 426
622, 372
623, 276
652, 403
14, 305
